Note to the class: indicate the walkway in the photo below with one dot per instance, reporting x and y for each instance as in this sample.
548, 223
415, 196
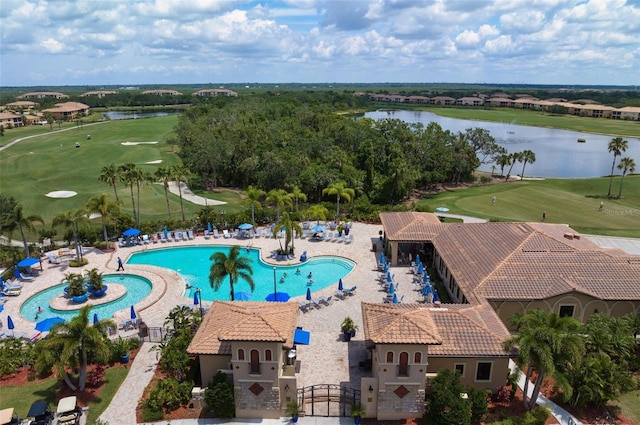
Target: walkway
188, 195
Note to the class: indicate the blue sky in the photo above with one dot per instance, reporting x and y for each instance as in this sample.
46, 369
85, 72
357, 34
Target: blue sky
113, 42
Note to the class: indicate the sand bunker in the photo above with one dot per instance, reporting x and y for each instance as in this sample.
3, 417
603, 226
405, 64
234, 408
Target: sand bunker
138, 143
61, 194
157, 161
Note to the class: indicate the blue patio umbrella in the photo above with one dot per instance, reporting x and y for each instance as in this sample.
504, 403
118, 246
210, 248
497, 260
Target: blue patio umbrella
242, 296
133, 314
392, 289
28, 262
395, 298
10, 324
340, 285
382, 261
166, 231
420, 269
46, 324
308, 294
425, 278
16, 272
131, 232
418, 259
386, 268
1, 308
278, 297
389, 277
209, 228
426, 290
196, 300
245, 226
95, 319
435, 296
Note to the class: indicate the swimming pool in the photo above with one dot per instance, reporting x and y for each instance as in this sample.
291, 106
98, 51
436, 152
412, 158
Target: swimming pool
137, 289
193, 264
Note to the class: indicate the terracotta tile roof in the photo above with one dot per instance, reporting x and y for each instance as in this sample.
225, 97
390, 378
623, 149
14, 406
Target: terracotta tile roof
410, 226
228, 321
468, 331
452, 330
403, 323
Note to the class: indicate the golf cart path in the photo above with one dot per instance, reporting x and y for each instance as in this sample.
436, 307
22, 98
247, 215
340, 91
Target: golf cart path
464, 218
188, 195
8, 145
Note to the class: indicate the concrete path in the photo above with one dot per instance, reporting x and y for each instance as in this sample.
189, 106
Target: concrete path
628, 245
464, 218
188, 195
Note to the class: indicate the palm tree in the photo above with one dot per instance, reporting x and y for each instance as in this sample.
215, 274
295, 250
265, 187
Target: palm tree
70, 220
627, 165
527, 156
281, 199
290, 227
515, 157
233, 266
128, 176
15, 219
317, 212
180, 173
545, 342
617, 145
503, 161
163, 174
298, 195
110, 174
74, 343
253, 195
141, 177
100, 204
340, 191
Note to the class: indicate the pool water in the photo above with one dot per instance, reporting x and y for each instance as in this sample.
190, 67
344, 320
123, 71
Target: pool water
193, 264
137, 289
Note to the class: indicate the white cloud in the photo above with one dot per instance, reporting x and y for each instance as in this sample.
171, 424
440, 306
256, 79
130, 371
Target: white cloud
52, 45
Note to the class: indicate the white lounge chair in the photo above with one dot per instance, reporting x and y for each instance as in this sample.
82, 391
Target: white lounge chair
267, 233
12, 285
206, 234
304, 306
226, 234
121, 242
170, 237
328, 237
145, 239
316, 302
190, 235
155, 238
349, 238
53, 259
236, 234
325, 300
304, 234
216, 235
26, 277
163, 238
258, 233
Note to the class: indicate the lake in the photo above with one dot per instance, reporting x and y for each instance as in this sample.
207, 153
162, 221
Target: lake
132, 115
558, 153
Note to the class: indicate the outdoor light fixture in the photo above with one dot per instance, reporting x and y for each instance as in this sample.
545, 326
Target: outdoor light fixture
370, 389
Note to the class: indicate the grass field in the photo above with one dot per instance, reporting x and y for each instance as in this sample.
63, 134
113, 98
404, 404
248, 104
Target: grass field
540, 119
574, 202
50, 162
21, 397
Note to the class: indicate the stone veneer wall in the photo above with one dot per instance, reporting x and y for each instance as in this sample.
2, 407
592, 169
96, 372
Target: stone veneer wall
264, 405
391, 406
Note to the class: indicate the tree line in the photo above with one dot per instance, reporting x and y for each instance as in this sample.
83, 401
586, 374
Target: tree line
296, 139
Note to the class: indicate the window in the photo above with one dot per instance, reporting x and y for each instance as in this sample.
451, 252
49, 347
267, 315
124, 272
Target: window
459, 368
389, 356
417, 358
483, 373
403, 368
255, 362
240, 354
566, 311
267, 355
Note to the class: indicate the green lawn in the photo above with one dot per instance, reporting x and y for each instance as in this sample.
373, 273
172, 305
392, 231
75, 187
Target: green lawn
21, 397
570, 201
630, 406
540, 119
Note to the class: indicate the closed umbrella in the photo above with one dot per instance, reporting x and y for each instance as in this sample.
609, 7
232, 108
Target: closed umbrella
10, 324
340, 285
209, 228
392, 289
196, 300
426, 290
308, 294
395, 298
420, 269
389, 278
417, 258
435, 296
382, 260
95, 319
133, 314
166, 231
386, 268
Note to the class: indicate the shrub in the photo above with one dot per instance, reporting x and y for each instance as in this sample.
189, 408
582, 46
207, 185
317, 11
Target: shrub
78, 263
503, 395
96, 376
479, 405
150, 414
537, 416
219, 397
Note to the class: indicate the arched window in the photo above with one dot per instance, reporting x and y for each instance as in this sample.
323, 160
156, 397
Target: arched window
255, 362
403, 368
267, 355
417, 357
240, 354
389, 356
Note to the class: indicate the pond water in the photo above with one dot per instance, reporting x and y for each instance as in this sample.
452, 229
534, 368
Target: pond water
132, 115
558, 153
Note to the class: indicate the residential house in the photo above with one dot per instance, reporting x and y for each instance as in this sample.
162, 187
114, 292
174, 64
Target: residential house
21, 106
442, 100
627, 113
469, 101
68, 110
10, 120
253, 342
42, 95
98, 93
161, 92
215, 92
